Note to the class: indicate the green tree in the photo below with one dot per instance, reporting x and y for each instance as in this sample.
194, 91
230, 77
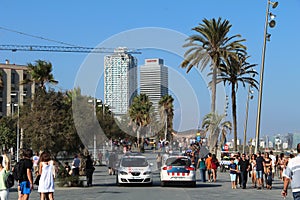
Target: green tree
211, 45
8, 136
235, 71
167, 114
48, 124
215, 124
139, 113
41, 74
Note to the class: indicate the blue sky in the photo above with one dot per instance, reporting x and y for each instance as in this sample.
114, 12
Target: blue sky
90, 23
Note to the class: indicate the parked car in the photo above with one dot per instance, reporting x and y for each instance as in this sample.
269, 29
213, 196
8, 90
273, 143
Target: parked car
178, 169
134, 169
224, 164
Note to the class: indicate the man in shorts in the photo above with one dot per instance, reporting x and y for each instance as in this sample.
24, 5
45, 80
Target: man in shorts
208, 161
259, 170
25, 185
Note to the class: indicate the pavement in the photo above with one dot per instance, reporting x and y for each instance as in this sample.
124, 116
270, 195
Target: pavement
104, 187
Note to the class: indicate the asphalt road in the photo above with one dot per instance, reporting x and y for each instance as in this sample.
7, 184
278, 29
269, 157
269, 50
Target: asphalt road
105, 189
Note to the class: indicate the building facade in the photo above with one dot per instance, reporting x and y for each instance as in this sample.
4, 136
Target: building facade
13, 94
154, 81
120, 80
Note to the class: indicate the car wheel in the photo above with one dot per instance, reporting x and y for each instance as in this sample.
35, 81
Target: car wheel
162, 184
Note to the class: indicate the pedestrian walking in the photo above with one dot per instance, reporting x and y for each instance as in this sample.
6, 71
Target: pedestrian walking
4, 172
202, 168
244, 169
214, 166
6, 160
238, 179
292, 174
268, 171
35, 161
47, 175
89, 170
259, 170
208, 167
273, 158
25, 184
233, 169
253, 170
112, 163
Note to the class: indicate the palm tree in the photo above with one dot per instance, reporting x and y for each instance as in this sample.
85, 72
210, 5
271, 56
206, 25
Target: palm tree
167, 114
216, 124
40, 73
139, 113
210, 46
235, 71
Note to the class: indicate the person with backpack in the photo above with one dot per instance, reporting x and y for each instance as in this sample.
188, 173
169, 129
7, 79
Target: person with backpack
23, 174
4, 172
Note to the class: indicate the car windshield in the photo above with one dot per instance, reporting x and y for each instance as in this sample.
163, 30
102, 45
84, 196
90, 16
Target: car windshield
174, 161
134, 162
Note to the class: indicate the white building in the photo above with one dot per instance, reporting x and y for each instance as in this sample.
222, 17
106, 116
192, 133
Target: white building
154, 81
120, 80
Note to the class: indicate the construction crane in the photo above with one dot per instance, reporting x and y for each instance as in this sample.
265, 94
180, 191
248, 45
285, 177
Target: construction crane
66, 49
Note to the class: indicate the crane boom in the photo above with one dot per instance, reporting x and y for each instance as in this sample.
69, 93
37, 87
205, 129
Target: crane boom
66, 49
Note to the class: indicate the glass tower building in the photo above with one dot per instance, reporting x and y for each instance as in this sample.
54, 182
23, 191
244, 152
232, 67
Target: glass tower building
154, 81
120, 80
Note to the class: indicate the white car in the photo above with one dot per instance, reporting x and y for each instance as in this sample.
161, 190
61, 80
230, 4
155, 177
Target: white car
133, 170
178, 169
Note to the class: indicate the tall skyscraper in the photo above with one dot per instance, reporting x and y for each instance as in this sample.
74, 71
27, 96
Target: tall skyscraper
120, 80
154, 81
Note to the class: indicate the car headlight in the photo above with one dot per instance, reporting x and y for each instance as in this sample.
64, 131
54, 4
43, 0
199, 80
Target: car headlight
147, 173
123, 173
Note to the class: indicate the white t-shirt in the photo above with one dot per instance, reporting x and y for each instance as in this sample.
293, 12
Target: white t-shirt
273, 160
35, 160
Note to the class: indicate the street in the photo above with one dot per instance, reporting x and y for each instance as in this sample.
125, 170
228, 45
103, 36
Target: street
105, 188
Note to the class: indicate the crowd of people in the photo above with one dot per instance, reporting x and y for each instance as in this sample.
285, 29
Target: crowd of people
260, 168
39, 169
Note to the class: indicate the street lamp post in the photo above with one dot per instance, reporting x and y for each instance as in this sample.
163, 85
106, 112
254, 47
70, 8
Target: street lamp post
266, 38
19, 142
246, 119
95, 101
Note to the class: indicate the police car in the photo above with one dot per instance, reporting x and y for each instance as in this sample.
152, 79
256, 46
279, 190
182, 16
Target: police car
134, 169
178, 169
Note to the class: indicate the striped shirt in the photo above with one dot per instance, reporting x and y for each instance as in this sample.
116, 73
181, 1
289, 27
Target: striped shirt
292, 172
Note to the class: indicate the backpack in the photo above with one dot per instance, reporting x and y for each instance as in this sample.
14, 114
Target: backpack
18, 172
9, 181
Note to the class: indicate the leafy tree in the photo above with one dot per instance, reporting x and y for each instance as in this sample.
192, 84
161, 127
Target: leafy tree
139, 113
40, 73
235, 71
8, 136
167, 110
48, 124
211, 45
216, 124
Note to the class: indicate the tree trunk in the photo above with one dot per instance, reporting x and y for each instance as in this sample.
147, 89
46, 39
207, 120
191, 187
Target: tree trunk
214, 89
233, 98
138, 136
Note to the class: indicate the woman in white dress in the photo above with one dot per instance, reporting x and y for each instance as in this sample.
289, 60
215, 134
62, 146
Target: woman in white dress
47, 173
